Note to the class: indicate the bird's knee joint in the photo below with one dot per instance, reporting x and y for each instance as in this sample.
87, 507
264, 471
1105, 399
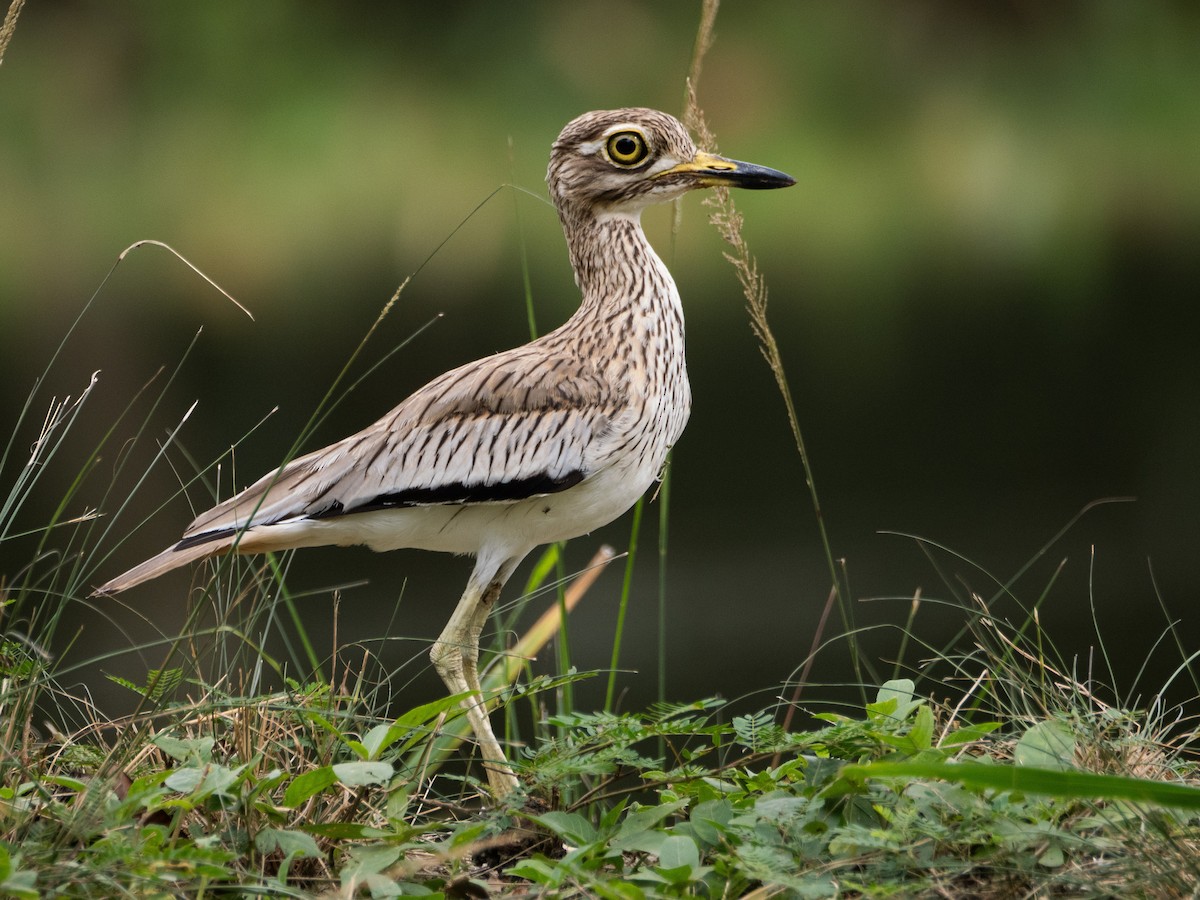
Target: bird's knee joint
445, 658
489, 596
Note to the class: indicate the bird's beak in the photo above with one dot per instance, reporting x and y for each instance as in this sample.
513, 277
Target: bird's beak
710, 170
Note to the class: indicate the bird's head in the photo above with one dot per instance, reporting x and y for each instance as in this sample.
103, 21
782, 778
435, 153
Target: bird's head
616, 162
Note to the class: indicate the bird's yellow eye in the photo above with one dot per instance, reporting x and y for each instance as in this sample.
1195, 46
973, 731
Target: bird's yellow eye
627, 148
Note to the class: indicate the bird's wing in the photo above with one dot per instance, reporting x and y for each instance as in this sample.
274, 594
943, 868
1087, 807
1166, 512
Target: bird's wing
501, 429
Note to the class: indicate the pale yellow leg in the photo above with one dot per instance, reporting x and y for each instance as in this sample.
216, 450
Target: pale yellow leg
455, 656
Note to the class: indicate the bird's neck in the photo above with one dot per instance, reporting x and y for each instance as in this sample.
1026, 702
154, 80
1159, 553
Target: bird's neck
631, 314
617, 270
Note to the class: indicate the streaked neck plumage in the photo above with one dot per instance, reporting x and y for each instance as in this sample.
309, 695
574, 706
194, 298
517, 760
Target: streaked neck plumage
630, 302
616, 269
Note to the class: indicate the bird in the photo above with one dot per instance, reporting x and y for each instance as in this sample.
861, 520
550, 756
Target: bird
540, 443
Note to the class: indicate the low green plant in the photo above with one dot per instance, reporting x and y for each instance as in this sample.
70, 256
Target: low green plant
310, 790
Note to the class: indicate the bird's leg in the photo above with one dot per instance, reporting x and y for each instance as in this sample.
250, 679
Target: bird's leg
470, 648
455, 655
500, 776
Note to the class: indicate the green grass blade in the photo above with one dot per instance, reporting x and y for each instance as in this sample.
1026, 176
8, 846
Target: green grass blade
1064, 784
634, 529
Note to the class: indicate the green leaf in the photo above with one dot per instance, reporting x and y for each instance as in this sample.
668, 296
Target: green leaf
968, 734
185, 750
648, 841
308, 784
921, 734
674, 875
185, 780
371, 859
325, 724
379, 738
347, 831
894, 700
1049, 745
536, 870
356, 774
375, 741
422, 715
159, 683
382, 887
219, 780
22, 885
204, 781
679, 851
1065, 784
572, 827
638, 827
356, 747
266, 783
1053, 857
289, 843
467, 834
15, 882
78, 785
709, 819
758, 731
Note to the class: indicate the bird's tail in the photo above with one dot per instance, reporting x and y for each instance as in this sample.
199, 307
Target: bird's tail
171, 558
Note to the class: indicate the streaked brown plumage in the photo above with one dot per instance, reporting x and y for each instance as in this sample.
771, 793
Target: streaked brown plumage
540, 443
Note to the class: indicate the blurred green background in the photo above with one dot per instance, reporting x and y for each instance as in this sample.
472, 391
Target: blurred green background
984, 286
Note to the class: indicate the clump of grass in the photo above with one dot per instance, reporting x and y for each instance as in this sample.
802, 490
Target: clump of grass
309, 790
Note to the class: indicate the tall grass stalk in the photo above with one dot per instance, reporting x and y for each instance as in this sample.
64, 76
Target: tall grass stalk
664, 518
728, 222
626, 589
526, 281
566, 694
9, 26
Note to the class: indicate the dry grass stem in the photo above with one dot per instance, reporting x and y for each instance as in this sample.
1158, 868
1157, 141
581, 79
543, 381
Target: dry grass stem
10, 26
728, 222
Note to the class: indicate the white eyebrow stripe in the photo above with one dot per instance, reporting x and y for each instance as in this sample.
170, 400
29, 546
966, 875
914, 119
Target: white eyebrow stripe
626, 126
